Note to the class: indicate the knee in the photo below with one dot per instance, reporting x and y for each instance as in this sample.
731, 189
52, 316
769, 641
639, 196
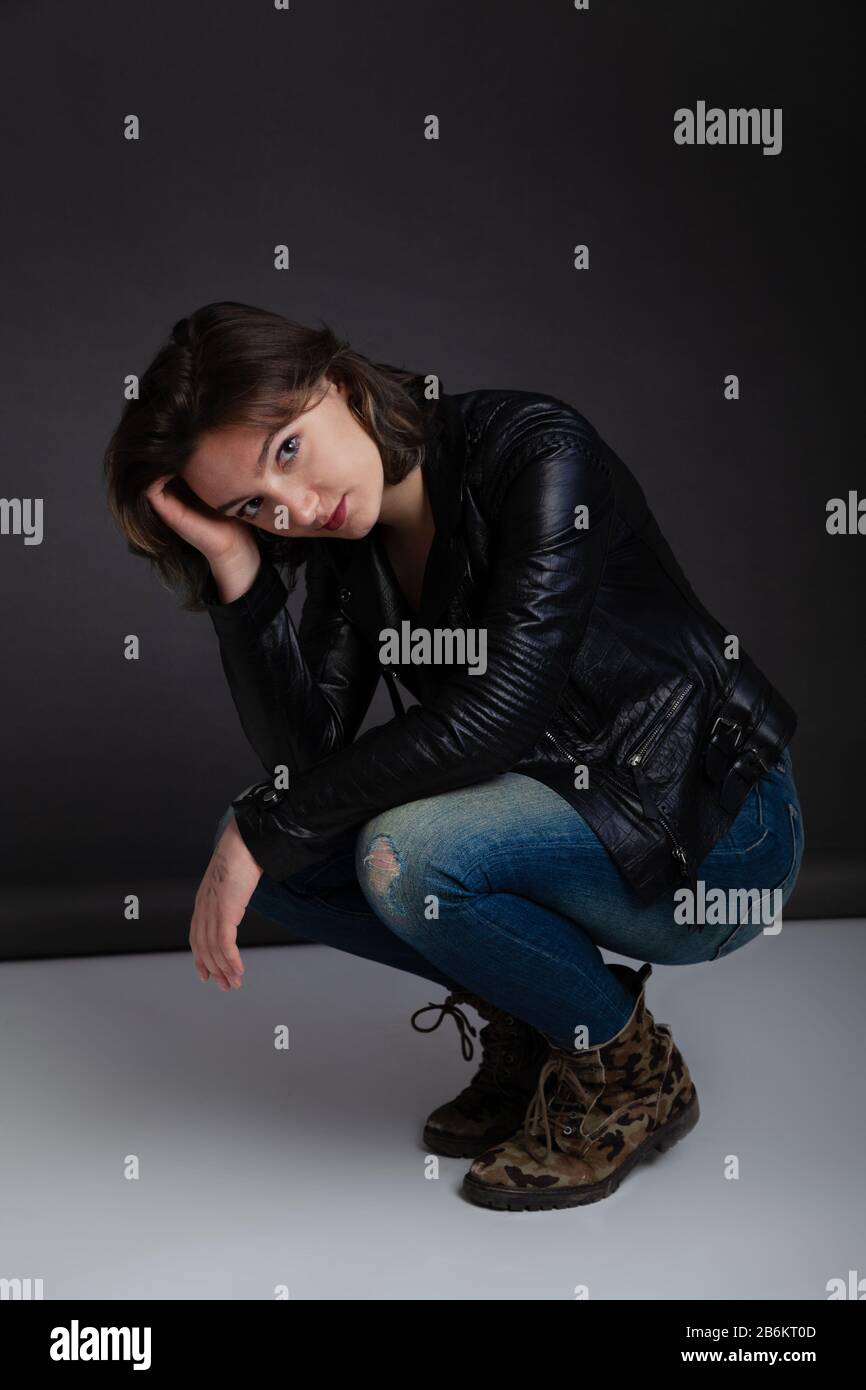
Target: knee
379, 865
391, 860
404, 868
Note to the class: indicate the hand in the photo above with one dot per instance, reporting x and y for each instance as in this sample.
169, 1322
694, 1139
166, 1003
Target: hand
219, 538
220, 903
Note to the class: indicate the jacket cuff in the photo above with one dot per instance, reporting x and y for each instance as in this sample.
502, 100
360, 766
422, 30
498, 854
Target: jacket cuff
257, 607
277, 847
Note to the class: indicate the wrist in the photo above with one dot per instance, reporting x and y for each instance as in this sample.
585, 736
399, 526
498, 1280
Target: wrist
237, 848
235, 572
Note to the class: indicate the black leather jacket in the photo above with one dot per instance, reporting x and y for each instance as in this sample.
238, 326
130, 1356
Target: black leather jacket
599, 656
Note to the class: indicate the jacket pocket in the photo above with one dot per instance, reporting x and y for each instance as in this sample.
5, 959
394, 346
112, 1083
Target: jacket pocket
643, 748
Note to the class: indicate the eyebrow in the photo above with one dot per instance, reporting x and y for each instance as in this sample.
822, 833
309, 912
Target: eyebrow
260, 467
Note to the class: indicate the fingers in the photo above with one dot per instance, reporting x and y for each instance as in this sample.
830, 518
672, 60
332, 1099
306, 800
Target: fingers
205, 965
214, 946
221, 932
165, 504
220, 904
154, 490
221, 940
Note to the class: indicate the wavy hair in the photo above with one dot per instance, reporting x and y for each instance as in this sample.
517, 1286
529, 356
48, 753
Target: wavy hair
235, 364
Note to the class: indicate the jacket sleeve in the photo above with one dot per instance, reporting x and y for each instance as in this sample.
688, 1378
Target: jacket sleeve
300, 694
545, 570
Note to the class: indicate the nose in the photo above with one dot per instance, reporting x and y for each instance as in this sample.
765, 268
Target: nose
304, 509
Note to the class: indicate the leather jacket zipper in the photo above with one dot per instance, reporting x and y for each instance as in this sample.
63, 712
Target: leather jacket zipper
654, 812
651, 810
638, 755
563, 751
580, 721
654, 732
577, 717
650, 807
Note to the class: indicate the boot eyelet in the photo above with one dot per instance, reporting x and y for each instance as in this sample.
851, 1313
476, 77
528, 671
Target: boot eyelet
566, 1129
509, 1057
508, 1019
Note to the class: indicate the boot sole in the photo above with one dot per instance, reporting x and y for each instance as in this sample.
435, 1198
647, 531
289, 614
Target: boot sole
512, 1199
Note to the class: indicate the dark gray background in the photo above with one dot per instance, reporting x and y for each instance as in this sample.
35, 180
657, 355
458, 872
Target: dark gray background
451, 256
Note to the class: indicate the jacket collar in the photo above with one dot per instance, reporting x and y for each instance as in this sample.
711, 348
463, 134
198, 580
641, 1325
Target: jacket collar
375, 599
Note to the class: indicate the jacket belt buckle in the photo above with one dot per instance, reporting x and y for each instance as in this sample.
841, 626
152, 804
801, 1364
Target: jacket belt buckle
723, 746
732, 725
744, 772
755, 756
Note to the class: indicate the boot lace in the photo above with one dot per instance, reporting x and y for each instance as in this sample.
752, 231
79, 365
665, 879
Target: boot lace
464, 1027
569, 1097
497, 1040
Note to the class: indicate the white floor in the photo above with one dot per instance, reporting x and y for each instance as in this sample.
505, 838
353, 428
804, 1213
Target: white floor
304, 1168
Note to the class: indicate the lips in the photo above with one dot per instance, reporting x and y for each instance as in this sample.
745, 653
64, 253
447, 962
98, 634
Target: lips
338, 516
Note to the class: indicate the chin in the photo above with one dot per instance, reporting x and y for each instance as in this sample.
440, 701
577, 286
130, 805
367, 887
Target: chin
358, 523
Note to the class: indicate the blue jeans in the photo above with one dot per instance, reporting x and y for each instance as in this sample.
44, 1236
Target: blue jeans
502, 889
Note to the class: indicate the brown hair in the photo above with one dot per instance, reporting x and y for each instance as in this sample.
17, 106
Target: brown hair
234, 364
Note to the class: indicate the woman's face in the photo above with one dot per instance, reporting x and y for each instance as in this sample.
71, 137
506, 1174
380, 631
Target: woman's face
294, 482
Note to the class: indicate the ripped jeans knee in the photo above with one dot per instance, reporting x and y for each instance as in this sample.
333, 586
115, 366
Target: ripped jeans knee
378, 867
407, 870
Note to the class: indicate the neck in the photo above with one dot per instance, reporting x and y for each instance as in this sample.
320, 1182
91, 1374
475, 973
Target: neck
405, 511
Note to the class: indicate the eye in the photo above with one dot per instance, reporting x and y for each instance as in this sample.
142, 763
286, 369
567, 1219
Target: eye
289, 439
256, 502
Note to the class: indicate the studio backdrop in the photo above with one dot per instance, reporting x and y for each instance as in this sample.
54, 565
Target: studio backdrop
639, 208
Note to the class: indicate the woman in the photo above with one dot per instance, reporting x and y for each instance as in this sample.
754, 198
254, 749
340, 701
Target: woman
592, 761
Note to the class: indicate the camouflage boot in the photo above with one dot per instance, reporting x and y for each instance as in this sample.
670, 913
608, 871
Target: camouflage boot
608, 1108
493, 1104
